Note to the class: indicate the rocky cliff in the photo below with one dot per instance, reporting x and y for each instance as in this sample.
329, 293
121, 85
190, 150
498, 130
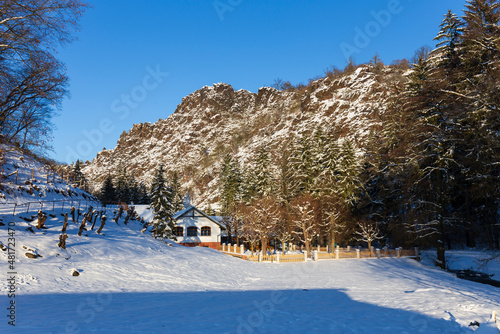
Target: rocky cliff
216, 120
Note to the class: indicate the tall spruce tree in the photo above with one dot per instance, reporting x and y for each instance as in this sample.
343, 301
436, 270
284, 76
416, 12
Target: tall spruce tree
229, 184
107, 195
161, 195
262, 177
177, 194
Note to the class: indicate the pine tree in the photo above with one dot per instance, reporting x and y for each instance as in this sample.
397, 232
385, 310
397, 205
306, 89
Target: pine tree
107, 195
133, 190
163, 210
177, 194
78, 176
301, 165
229, 184
143, 194
349, 183
262, 177
479, 93
449, 40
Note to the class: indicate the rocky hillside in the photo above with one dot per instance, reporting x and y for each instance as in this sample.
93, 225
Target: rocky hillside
216, 119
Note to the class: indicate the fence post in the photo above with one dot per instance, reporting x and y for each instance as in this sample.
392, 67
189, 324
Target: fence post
234, 247
358, 254
28, 207
337, 254
348, 248
398, 252
315, 255
417, 254
260, 257
242, 249
305, 256
15, 206
319, 249
378, 253
277, 257
223, 247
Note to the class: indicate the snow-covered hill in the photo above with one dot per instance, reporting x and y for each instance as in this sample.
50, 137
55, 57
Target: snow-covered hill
25, 179
216, 120
129, 282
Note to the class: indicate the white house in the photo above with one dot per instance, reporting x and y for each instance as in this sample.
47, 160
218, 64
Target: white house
195, 228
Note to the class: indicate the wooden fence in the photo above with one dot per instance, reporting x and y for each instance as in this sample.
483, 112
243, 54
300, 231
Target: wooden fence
339, 253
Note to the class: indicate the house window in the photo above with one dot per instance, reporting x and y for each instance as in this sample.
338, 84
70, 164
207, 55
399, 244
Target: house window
192, 231
206, 231
179, 231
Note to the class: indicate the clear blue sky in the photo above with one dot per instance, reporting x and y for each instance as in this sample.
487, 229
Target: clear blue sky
135, 60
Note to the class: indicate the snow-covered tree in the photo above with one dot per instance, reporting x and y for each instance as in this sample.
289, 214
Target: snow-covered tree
266, 216
303, 217
302, 166
230, 184
162, 207
262, 176
177, 193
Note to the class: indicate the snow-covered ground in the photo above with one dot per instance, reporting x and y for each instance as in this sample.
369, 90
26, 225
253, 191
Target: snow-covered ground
478, 260
131, 283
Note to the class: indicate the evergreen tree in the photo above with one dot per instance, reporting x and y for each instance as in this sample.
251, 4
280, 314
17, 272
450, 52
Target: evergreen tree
133, 190
301, 165
349, 183
107, 195
122, 187
229, 184
262, 177
449, 40
163, 209
78, 176
143, 194
177, 194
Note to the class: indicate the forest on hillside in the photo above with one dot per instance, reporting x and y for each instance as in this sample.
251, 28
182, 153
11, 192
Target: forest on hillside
429, 176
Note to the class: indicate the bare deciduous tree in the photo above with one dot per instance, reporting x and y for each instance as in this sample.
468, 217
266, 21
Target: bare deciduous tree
32, 80
304, 219
368, 232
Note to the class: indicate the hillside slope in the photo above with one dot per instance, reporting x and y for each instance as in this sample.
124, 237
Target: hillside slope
216, 120
25, 179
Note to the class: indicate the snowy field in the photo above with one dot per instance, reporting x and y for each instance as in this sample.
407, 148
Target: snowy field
131, 283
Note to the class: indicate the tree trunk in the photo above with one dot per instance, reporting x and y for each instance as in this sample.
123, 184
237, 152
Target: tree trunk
41, 220
263, 242
82, 226
308, 247
332, 239
65, 223
62, 241
103, 221
73, 214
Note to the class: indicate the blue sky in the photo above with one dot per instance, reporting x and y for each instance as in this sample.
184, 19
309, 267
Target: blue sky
135, 60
